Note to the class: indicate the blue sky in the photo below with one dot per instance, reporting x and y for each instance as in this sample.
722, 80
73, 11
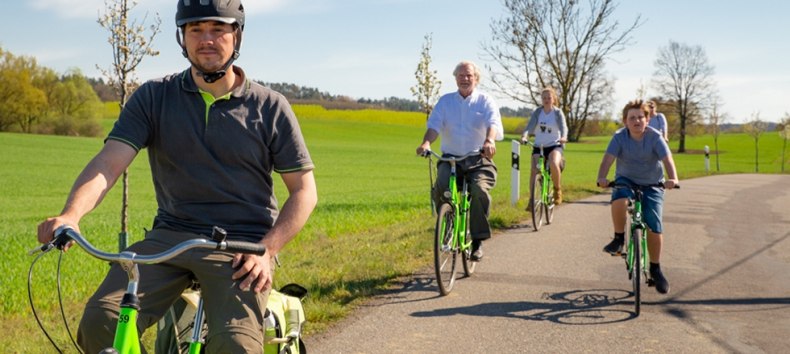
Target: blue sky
370, 48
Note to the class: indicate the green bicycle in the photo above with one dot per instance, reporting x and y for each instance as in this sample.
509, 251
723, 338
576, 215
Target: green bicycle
541, 194
126, 334
636, 256
451, 238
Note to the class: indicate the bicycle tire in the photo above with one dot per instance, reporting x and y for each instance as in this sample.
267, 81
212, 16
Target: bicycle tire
466, 254
444, 254
536, 202
637, 268
549, 207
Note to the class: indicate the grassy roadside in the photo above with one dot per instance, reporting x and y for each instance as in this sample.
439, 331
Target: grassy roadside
372, 225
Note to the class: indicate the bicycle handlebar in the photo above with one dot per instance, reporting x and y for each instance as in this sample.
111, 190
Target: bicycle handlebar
65, 234
427, 153
659, 184
527, 142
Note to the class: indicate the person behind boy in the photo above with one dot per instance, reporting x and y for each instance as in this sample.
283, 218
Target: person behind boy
657, 120
547, 125
639, 152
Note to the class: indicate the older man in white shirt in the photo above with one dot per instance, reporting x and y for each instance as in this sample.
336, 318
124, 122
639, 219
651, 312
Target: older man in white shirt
467, 120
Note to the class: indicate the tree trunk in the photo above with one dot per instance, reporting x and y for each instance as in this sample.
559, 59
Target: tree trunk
682, 141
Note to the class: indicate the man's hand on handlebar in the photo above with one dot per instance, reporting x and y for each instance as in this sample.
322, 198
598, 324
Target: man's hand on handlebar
46, 229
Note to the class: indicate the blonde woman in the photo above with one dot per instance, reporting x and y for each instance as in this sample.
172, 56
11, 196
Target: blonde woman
547, 125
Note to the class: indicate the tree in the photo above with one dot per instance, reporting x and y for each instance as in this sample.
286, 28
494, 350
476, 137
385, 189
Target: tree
563, 44
684, 77
129, 46
784, 133
427, 89
755, 128
714, 121
23, 100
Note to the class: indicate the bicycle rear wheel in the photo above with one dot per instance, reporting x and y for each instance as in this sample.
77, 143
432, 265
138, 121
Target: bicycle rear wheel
444, 253
636, 267
536, 202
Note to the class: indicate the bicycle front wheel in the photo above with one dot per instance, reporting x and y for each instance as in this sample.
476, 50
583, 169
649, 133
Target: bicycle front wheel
444, 252
636, 267
536, 202
466, 254
549, 207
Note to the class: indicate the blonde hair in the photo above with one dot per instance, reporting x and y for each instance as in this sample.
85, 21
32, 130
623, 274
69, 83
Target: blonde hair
552, 92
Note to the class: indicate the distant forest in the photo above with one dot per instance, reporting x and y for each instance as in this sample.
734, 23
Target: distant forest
309, 95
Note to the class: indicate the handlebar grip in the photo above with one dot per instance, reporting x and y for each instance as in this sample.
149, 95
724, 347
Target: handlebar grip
244, 247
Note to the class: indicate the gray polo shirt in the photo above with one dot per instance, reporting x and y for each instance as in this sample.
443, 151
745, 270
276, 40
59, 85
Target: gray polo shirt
212, 162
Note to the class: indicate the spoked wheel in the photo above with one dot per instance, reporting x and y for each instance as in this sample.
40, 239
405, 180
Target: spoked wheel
444, 254
466, 256
536, 203
636, 267
550, 206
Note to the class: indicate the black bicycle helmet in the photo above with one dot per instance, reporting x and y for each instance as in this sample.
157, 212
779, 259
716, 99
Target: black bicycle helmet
226, 11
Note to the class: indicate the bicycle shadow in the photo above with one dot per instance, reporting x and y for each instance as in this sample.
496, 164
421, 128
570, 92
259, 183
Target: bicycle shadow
575, 307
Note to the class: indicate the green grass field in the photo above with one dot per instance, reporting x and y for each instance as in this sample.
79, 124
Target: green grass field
372, 224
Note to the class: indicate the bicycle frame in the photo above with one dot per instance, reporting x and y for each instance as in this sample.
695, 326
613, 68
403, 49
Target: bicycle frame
541, 165
460, 201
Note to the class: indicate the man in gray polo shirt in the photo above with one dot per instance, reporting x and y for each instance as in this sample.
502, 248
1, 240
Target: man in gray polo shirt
214, 138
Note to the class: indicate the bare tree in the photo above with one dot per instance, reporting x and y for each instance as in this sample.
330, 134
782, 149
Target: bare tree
755, 128
558, 43
714, 122
427, 89
784, 133
684, 77
129, 45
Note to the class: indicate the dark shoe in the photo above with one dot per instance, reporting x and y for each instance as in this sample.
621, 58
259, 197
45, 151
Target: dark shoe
477, 250
615, 248
661, 283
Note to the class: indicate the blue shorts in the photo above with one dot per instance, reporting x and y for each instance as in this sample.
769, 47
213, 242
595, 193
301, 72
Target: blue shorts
652, 202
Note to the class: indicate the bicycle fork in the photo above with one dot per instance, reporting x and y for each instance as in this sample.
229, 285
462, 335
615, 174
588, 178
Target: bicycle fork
127, 339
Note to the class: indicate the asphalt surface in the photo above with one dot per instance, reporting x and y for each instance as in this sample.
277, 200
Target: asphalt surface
726, 256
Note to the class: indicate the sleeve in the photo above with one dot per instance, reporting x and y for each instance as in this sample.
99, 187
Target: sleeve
288, 148
533, 122
661, 148
495, 118
614, 145
135, 123
562, 124
435, 119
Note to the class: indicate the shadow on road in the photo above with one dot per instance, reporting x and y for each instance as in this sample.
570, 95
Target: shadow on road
576, 307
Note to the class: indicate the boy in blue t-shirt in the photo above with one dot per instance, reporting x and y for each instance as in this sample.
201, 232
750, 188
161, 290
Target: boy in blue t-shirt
640, 151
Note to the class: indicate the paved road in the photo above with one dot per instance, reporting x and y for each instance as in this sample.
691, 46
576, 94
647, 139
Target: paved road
727, 257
